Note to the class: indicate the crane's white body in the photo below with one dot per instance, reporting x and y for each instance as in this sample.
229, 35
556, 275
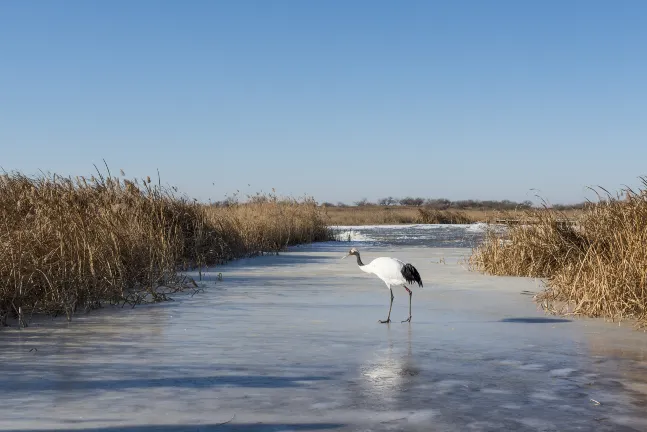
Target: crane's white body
388, 269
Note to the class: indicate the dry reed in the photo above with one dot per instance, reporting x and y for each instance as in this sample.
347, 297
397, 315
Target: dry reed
443, 217
270, 223
68, 244
595, 267
380, 215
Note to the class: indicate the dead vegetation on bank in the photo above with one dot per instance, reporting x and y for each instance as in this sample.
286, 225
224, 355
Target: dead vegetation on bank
596, 267
394, 215
385, 215
443, 217
72, 244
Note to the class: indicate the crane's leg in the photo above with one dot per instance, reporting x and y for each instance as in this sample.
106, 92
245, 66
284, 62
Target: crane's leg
410, 295
388, 318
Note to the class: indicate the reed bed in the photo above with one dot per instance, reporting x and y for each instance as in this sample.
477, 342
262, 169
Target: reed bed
383, 215
443, 217
270, 223
594, 267
69, 244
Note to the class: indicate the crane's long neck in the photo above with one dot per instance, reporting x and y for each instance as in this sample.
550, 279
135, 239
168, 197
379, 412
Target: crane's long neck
359, 261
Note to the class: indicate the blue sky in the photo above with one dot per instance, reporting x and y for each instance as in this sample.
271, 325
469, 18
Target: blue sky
337, 99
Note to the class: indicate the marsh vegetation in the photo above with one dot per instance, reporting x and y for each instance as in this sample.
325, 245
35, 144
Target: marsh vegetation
596, 266
69, 244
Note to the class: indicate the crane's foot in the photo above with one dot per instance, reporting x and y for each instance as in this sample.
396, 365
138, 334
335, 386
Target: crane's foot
407, 320
386, 321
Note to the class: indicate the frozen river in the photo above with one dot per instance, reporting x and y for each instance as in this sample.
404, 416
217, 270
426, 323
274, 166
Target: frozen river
292, 343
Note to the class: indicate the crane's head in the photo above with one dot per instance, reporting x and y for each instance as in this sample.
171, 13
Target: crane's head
353, 251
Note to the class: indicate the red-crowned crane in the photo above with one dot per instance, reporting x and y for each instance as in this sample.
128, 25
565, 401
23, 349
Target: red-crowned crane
393, 272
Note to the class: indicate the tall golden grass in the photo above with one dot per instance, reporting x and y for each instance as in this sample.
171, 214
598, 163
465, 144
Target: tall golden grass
380, 215
270, 223
75, 243
595, 267
443, 217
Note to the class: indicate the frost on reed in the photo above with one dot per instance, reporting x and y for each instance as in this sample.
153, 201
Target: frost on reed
69, 244
596, 267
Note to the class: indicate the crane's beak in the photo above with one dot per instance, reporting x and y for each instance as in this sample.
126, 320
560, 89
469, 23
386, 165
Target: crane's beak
345, 256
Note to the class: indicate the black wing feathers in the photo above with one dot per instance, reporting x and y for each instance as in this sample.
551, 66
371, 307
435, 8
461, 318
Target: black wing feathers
410, 274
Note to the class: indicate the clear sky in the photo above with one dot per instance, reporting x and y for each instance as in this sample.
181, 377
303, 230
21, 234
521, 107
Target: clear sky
337, 99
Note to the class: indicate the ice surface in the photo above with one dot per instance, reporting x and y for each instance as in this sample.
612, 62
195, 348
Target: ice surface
292, 342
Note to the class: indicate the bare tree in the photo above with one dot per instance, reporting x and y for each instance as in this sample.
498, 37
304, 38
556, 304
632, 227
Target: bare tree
409, 201
363, 202
387, 201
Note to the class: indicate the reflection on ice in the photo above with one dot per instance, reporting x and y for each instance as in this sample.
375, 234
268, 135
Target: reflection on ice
389, 369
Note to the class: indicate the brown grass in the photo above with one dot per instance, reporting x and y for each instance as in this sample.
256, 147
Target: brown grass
381, 215
69, 244
443, 217
596, 268
270, 223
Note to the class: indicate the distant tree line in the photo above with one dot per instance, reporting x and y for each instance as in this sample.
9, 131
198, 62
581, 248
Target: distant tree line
446, 204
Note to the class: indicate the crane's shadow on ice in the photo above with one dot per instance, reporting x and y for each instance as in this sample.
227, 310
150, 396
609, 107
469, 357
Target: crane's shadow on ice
535, 320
